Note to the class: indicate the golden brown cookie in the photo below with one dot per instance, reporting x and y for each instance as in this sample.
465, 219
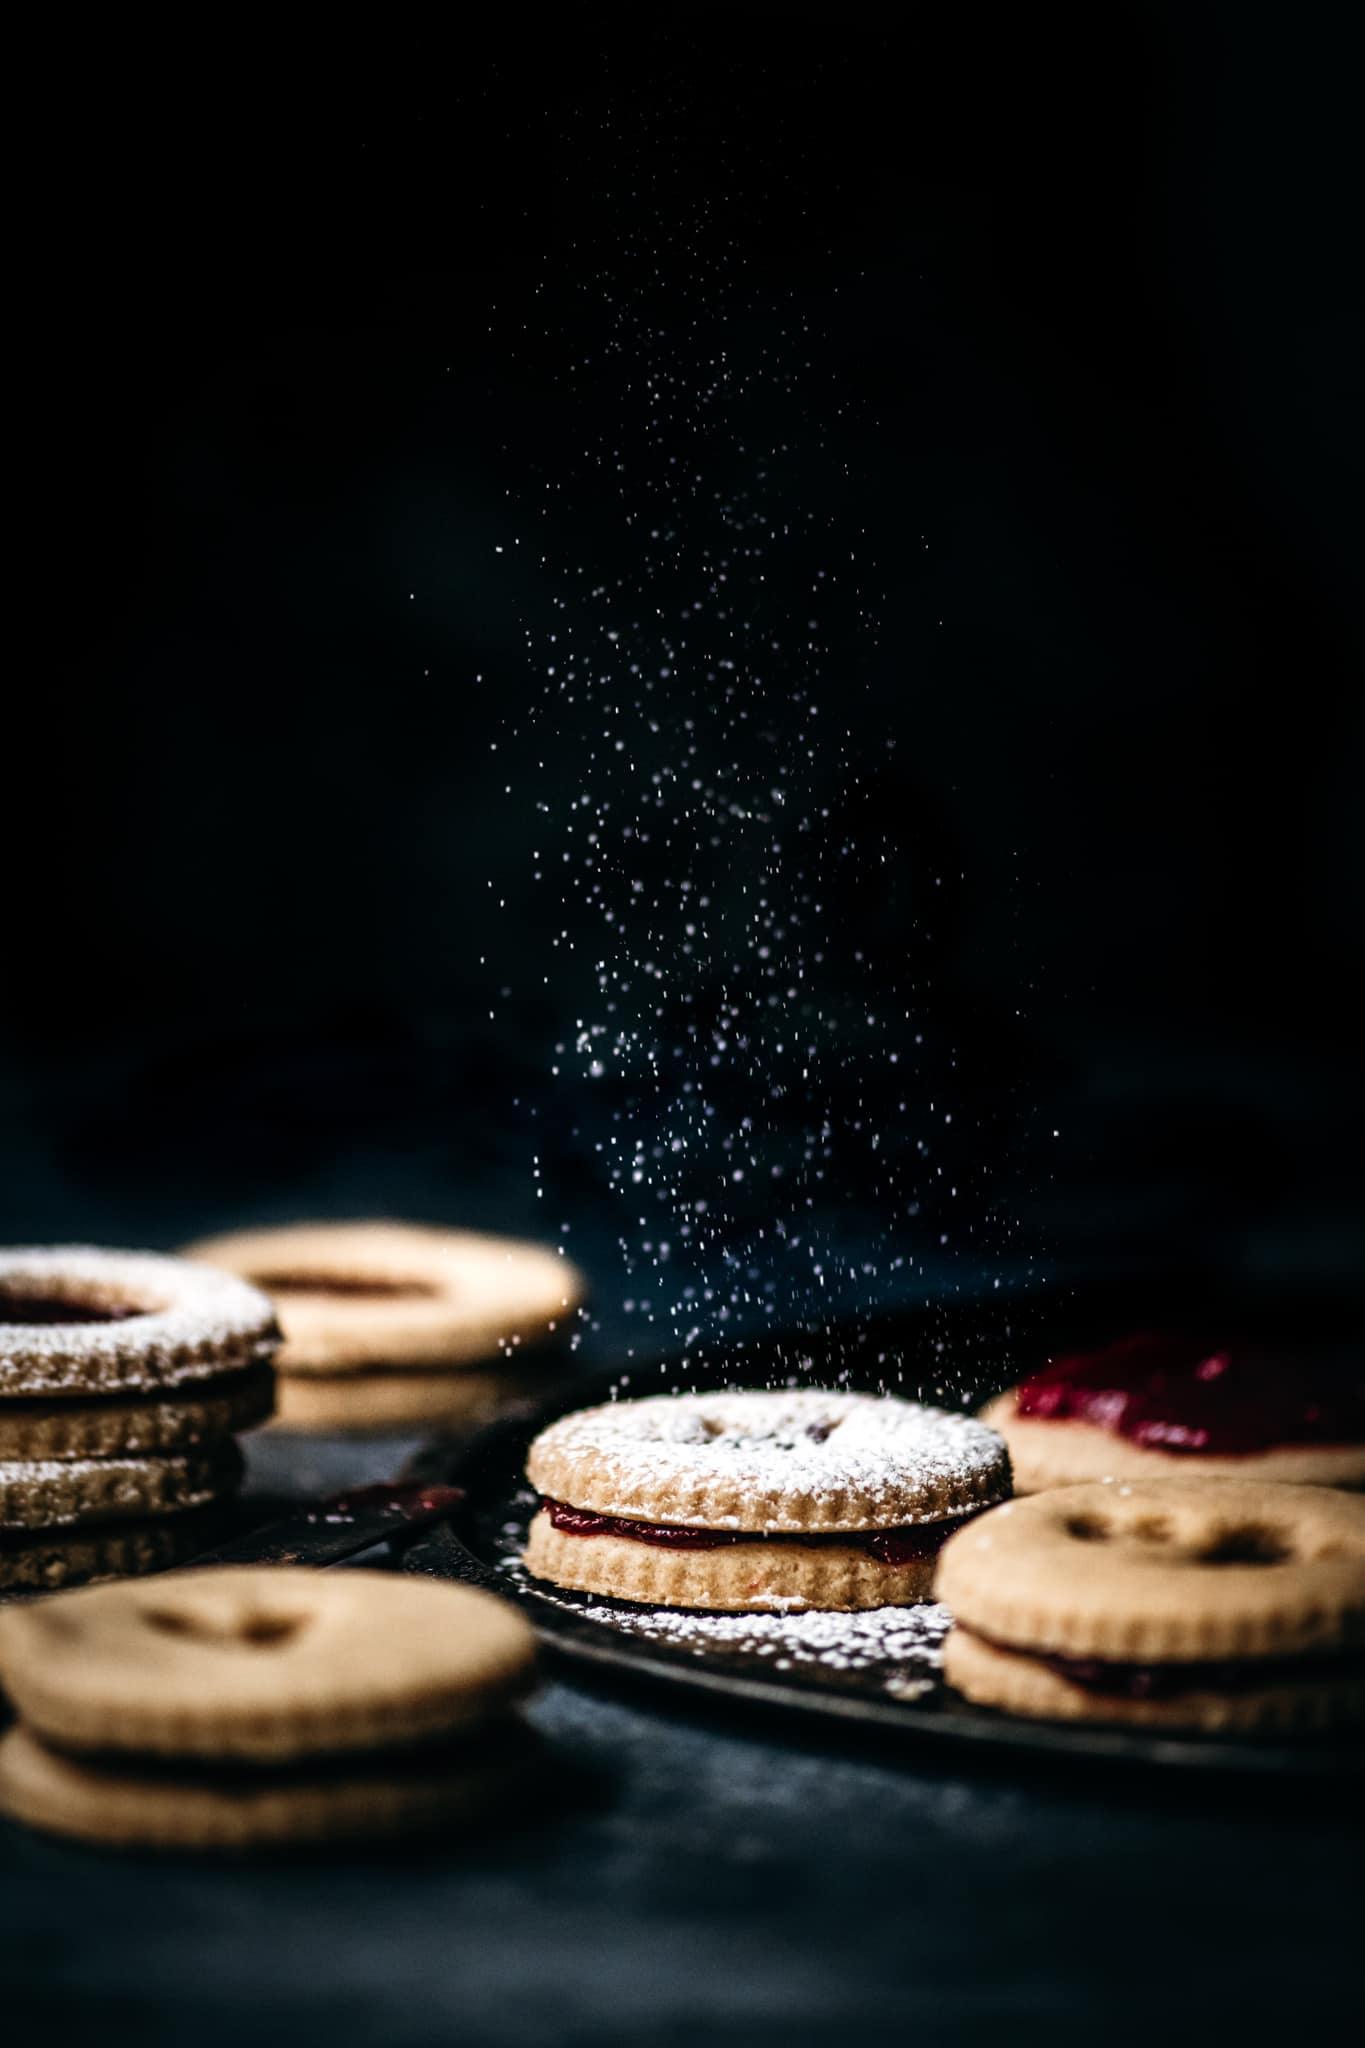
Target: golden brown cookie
358, 1297
131, 1805
1063, 1451
1297, 1703
77, 1321
263, 1663
767, 1573
48, 1559
801, 1462
756, 1499
60, 1492
1163, 1594
374, 1403
198, 1415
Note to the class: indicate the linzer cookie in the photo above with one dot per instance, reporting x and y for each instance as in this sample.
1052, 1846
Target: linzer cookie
1159, 1405
236, 1708
134, 1806
757, 1499
368, 1297
1163, 1603
57, 1493
76, 1321
262, 1663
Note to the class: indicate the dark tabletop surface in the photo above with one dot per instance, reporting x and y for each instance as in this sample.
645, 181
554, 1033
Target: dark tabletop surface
723, 1883
727, 1879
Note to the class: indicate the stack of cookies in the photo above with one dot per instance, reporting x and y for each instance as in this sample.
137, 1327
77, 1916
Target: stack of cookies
123, 1377
230, 1709
395, 1326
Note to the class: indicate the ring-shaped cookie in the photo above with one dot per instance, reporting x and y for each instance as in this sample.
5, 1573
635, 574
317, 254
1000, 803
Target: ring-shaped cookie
362, 1297
1163, 1570
76, 1320
266, 1663
784, 1462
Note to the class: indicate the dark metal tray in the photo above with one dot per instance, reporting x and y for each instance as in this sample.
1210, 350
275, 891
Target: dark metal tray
773, 1664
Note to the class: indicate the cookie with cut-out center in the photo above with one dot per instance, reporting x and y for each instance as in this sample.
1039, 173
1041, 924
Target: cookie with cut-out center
762, 1499
1163, 1602
130, 1805
79, 1321
371, 1297
63, 1492
263, 1663
177, 1420
782, 1461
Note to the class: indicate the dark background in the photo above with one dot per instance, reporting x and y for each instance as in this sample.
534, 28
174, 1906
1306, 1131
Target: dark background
1084, 377
1081, 374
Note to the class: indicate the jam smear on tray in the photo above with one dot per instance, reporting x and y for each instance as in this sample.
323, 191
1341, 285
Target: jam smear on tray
1175, 1393
889, 1546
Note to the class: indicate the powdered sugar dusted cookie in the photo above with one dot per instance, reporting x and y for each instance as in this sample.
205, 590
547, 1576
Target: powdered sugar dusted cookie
1164, 1603
365, 1297
757, 1499
76, 1320
63, 1492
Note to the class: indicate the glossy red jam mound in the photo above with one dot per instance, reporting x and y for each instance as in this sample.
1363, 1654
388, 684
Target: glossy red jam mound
889, 1546
1174, 1681
1176, 1393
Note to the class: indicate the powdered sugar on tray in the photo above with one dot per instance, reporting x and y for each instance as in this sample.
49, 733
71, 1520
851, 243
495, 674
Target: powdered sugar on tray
858, 1641
898, 1648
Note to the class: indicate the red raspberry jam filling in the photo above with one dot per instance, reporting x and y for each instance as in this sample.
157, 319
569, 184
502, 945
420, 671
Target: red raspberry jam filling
1173, 1681
889, 1546
33, 1309
1172, 1393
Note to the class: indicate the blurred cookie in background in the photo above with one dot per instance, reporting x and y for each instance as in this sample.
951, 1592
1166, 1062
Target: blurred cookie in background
390, 1327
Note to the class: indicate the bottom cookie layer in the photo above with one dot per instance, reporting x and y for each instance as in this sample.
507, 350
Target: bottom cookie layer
1065, 1452
368, 1404
47, 1559
1021, 1684
785, 1573
141, 1807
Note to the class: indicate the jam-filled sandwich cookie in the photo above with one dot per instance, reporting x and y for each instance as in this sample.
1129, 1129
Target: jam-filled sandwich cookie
1163, 1603
369, 1297
236, 1707
757, 1499
1150, 1406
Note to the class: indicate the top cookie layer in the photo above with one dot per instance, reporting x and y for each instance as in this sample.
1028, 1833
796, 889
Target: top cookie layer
1163, 1569
355, 1296
136, 1322
777, 1463
262, 1662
